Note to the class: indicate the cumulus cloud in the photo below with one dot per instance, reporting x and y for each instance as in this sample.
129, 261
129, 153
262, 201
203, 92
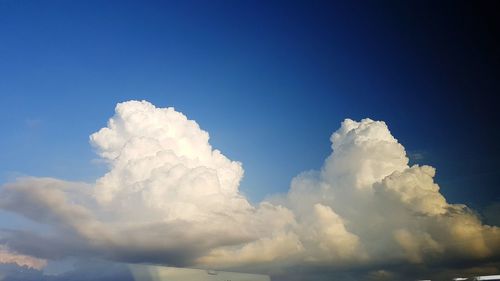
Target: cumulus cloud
170, 198
367, 206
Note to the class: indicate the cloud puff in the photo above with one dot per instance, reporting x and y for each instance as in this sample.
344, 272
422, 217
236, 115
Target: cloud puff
170, 198
161, 157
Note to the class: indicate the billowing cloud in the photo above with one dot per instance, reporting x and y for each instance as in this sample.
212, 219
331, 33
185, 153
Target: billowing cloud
170, 198
367, 206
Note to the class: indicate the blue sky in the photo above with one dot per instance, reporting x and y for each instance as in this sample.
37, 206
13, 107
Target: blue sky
270, 82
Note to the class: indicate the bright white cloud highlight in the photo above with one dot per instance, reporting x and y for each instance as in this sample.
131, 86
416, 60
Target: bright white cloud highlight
170, 198
163, 159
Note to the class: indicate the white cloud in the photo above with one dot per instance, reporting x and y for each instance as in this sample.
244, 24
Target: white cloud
163, 159
169, 197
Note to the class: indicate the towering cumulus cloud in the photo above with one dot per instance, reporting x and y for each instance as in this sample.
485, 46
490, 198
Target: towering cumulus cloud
165, 160
170, 198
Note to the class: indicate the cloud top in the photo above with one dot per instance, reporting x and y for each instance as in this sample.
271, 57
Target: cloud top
165, 158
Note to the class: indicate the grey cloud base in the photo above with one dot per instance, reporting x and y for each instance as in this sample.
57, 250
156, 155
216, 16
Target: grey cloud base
170, 198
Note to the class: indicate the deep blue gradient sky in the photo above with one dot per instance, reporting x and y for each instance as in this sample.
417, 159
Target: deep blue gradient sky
269, 81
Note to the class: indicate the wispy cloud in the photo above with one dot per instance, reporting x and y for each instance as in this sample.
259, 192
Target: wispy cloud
7, 257
32, 123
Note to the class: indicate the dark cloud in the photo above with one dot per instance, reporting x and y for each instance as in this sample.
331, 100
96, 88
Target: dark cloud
83, 271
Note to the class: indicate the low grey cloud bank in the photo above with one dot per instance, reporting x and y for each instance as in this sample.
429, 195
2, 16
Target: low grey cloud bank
170, 198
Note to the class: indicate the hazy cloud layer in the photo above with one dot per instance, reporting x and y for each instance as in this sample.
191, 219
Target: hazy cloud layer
7, 257
170, 198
